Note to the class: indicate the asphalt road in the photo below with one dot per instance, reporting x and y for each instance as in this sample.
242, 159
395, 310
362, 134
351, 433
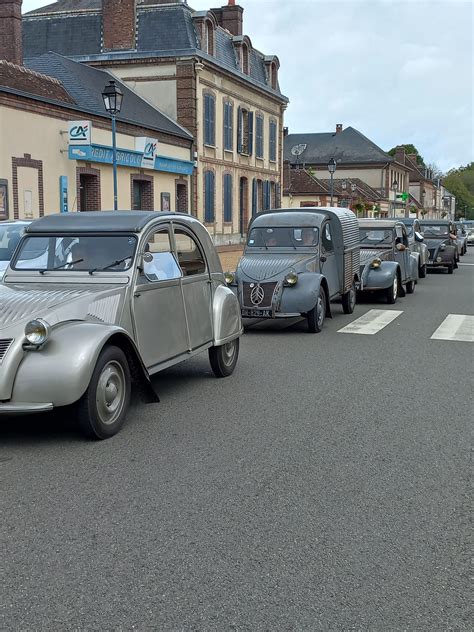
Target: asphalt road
324, 486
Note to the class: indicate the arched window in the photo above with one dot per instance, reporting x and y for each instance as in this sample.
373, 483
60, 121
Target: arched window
209, 197
208, 37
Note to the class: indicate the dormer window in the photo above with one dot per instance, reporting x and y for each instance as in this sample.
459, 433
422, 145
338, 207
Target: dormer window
245, 59
273, 76
208, 44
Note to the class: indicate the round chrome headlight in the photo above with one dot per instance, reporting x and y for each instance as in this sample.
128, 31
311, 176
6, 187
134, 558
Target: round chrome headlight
439, 259
376, 263
37, 331
229, 277
291, 278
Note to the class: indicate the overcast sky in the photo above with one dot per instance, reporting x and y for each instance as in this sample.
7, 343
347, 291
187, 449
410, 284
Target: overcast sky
399, 71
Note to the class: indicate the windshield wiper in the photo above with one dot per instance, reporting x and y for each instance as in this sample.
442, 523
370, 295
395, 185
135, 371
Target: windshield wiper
111, 265
291, 239
68, 263
376, 243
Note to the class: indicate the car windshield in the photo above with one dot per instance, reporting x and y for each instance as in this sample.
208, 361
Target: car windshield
10, 235
75, 253
370, 237
283, 237
434, 231
409, 228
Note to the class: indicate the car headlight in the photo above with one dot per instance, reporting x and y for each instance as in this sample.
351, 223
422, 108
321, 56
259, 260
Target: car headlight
291, 278
438, 259
229, 277
37, 331
442, 247
376, 263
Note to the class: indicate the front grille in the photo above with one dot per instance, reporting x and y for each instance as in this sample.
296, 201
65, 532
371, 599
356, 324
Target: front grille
4, 346
257, 291
432, 252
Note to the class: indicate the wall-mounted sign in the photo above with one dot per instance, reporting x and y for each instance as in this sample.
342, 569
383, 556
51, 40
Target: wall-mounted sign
147, 146
79, 132
63, 204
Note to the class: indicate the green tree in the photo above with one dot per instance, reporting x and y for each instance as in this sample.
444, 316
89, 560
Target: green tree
460, 182
409, 149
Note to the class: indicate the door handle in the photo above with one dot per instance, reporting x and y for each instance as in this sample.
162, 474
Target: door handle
137, 294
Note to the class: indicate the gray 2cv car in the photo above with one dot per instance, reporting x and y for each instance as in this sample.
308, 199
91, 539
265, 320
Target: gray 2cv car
92, 302
386, 263
295, 262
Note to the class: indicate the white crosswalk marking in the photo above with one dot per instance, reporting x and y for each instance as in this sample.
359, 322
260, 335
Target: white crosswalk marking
455, 327
371, 322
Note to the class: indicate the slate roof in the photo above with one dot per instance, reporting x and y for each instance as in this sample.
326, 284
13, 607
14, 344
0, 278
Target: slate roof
85, 84
74, 28
303, 183
348, 146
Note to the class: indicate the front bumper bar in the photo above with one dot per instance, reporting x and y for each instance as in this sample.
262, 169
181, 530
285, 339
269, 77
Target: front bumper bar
24, 408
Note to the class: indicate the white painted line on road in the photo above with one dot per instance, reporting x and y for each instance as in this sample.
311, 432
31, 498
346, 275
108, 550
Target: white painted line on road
371, 322
455, 327
465, 264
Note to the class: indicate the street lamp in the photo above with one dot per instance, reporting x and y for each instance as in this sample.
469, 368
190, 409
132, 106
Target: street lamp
112, 96
332, 168
395, 189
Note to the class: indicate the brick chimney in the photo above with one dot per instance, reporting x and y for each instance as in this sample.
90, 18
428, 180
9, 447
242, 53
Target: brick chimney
400, 155
338, 128
118, 23
11, 42
230, 17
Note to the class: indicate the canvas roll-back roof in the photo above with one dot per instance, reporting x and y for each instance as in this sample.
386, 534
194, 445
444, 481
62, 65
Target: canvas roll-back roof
368, 222
435, 222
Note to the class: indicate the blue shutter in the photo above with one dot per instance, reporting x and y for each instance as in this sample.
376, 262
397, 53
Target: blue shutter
250, 119
226, 125
254, 197
208, 197
230, 125
239, 129
259, 135
266, 192
272, 140
206, 119
212, 120
227, 197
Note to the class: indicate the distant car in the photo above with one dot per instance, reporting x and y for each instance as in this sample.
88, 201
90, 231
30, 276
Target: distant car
92, 302
386, 262
415, 240
295, 262
10, 235
461, 234
470, 237
440, 237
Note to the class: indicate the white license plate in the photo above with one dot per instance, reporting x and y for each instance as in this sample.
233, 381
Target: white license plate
257, 313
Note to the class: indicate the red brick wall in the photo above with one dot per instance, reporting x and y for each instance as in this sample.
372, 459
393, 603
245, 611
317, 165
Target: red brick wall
92, 199
148, 199
119, 21
11, 46
27, 161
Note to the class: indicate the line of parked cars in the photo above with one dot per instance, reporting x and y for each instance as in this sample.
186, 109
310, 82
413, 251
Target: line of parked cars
93, 303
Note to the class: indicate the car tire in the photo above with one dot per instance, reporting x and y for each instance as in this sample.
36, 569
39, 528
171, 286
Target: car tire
224, 358
450, 268
391, 293
422, 271
102, 409
410, 287
315, 317
349, 300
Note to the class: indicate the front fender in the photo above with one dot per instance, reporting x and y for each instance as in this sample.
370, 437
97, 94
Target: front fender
302, 297
379, 278
60, 371
414, 263
226, 315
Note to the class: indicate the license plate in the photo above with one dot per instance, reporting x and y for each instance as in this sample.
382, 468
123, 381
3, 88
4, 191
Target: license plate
257, 313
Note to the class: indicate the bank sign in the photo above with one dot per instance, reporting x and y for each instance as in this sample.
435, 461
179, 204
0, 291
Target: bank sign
79, 132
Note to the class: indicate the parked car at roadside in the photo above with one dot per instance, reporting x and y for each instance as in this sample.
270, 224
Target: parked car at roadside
415, 241
469, 228
440, 237
386, 262
295, 262
10, 235
461, 235
92, 302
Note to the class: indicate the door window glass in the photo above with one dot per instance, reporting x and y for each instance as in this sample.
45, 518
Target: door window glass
190, 257
162, 266
326, 238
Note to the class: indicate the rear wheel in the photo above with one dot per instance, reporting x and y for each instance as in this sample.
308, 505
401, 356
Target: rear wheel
315, 316
224, 358
422, 271
391, 293
349, 300
410, 287
102, 409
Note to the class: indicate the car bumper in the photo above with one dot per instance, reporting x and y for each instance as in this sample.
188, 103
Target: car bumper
439, 264
267, 313
24, 408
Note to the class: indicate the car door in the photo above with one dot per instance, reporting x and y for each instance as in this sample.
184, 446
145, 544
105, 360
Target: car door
328, 260
402, 256
195, 284
158, 306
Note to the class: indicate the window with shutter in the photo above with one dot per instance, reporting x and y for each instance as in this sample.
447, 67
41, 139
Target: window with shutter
250, 133
259, 137
254, 196
227, 197
209, 120
228, 125
209, 197
272, 142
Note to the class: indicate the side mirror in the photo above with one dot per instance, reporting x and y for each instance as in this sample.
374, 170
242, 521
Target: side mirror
419, 236
401, 247
146, 257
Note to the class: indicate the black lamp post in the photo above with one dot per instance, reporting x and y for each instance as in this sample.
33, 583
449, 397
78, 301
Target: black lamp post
332, 168
112, 96
395, 189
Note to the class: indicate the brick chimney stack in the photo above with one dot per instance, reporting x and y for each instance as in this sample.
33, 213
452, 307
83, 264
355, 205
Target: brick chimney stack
338, 128
119, 23
230, 17
11, 41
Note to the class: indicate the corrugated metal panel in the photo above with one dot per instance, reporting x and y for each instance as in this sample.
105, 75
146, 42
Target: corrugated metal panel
4, 346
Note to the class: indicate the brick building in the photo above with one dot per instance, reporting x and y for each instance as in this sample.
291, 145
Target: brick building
200, 69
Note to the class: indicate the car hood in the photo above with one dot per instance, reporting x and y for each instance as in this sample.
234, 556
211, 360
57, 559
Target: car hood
435, 243
265, 266
23, 301
368, 254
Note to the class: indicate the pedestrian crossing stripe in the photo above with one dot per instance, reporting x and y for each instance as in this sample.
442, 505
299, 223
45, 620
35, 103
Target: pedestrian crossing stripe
371, 322
456, 327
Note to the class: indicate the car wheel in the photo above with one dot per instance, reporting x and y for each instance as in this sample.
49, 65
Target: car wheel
410, 287
224, 358
391, 293
349, 300
316, 316
450, 268
422, 271
102, 409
